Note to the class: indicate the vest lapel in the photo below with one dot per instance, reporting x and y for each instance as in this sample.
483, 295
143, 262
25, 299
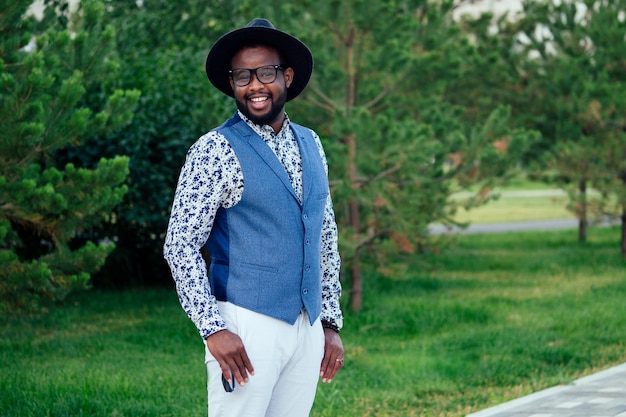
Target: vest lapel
305, 150
266, 154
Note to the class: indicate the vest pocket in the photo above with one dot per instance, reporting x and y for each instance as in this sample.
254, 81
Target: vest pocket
256, 267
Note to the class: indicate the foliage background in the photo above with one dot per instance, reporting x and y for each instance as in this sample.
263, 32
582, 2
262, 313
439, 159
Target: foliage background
412, 105
402, 121
55, 90
413, 101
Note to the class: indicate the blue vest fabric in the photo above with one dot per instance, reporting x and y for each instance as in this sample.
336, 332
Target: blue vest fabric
265, 250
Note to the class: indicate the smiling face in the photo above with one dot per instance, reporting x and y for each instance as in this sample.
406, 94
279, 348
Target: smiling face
263, 104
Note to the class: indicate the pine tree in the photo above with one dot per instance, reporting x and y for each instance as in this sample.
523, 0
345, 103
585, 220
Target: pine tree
53, 92
177, 106
383, 96
577, 82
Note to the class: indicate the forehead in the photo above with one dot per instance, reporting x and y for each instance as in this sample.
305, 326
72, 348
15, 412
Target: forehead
255, 56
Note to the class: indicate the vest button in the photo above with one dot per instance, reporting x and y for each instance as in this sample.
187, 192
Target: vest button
305, 291
305, 216
307, 241
307, 267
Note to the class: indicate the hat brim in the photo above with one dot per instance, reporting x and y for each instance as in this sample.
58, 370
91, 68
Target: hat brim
296, 54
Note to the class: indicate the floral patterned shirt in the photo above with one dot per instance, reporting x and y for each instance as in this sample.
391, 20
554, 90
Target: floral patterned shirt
212, 178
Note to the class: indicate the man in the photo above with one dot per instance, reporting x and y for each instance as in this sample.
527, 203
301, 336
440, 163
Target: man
255, 192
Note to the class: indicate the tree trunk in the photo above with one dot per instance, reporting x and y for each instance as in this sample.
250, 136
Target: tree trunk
582, 218
623, 246
624, 232
356, 284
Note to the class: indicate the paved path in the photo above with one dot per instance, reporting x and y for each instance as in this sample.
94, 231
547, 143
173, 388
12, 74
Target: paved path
599, 395
438, 229
520, 193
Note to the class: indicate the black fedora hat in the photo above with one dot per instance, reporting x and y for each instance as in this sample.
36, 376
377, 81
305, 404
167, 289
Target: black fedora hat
259, 31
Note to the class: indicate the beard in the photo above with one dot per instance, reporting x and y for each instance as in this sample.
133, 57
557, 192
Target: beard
276, 110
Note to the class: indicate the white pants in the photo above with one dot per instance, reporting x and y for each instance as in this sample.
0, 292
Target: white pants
286, 360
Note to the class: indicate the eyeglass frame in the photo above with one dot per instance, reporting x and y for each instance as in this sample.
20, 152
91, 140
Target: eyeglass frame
251, 71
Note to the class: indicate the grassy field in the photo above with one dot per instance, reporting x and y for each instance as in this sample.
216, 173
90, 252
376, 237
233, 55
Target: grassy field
520, 200
514, 206
495, 318
491, 319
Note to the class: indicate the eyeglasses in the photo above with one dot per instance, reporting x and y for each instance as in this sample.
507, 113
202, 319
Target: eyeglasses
266, 74
228, 387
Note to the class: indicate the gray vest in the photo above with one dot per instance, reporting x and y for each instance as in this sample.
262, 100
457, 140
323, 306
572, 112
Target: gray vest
265, 251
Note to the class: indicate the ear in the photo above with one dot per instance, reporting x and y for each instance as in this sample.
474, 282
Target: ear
289, 74
232, 84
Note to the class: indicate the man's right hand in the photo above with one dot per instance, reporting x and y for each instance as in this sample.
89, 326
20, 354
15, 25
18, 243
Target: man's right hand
229, 351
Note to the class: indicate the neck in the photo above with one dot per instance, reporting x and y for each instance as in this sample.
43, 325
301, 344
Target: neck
278, 123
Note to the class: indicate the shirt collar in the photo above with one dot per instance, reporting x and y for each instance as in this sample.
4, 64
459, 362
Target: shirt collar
265, 130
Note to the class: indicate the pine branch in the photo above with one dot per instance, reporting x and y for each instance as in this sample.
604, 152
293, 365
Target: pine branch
376, 99
371, 236
328, 106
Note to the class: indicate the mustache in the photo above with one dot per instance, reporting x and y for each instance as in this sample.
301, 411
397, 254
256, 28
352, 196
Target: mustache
265, 94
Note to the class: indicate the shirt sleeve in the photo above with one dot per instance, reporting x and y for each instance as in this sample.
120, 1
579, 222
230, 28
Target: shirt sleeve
210, 178
330, 258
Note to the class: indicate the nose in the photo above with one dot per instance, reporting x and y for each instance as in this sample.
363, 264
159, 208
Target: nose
254, 81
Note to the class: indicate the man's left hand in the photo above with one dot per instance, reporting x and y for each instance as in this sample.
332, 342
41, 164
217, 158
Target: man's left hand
333, 355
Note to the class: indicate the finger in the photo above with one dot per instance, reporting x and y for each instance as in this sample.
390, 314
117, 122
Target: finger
226, 372
229, 386
327, 361
246, 363
330, 353
240, 374
332, 369
242, 366
324, 364
240, 378
331, 364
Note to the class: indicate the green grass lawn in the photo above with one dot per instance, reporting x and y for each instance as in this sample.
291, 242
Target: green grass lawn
491, 319
127, 353
494, 318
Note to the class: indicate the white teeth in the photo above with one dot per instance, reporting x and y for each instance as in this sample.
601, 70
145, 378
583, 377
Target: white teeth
258, 99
